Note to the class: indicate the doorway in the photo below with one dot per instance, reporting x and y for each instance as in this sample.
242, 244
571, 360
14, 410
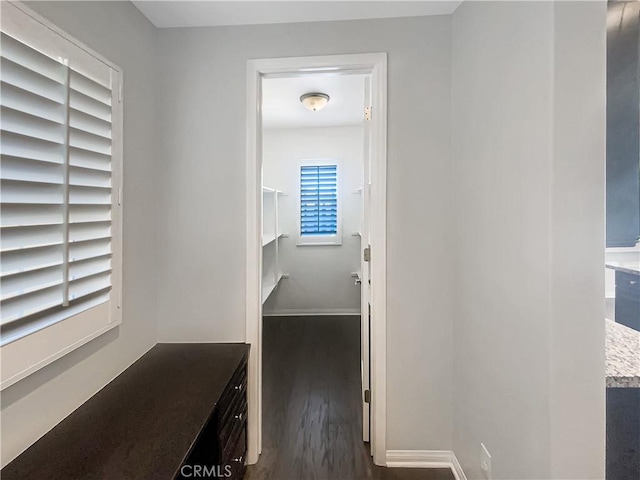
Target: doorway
373, 276
622, 253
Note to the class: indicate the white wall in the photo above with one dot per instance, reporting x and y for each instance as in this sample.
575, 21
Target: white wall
34, 405
319, 276
528, 169
577, 242
525, 257
201, 169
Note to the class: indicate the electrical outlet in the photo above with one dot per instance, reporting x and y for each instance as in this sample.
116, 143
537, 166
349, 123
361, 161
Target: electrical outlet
485, 462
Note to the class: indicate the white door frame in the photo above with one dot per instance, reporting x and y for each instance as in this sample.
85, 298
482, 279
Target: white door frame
376, 65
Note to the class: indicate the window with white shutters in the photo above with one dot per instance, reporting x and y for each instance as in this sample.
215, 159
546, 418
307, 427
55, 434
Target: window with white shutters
318, 200
60, 227
319, 213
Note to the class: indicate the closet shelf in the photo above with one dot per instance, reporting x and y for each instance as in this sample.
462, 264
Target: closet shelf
267, 239
271, 268
268, 289
272, 190
271, 237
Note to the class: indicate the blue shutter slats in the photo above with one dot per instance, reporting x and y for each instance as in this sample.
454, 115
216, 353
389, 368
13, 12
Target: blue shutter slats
318, 200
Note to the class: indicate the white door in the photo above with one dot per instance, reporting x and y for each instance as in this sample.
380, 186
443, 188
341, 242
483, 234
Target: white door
365, 268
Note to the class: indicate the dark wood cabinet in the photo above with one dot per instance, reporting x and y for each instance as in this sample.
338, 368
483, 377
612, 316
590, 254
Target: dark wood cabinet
221, 447
178, 408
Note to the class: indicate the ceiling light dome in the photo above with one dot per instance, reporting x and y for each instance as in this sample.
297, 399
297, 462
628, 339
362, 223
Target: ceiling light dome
314, 101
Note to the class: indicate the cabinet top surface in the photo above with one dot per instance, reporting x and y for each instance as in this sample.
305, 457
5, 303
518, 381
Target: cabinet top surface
623, 355
142, 424
628, 267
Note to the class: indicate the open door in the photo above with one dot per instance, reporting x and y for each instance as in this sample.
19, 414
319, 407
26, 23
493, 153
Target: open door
365, 268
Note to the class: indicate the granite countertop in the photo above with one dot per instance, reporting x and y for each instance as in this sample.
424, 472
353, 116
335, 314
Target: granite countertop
628, 267
623, 356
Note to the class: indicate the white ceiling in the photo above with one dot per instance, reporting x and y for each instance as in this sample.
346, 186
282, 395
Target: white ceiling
188, 13
281, 107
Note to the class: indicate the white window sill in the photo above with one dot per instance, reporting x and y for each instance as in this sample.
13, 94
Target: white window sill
319, 240
319, 244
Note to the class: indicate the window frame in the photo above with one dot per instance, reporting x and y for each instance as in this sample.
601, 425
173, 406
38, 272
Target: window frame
46, 342
320, 240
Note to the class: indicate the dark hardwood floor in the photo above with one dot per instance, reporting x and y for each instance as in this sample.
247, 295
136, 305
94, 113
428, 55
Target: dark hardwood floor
312, 416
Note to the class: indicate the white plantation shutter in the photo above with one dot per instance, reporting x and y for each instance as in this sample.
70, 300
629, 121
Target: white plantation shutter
90, 190
318, 200
32, 137
59, 224
56, 186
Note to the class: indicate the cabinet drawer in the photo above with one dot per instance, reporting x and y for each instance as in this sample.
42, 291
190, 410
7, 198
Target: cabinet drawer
628, 283
229, 431
236, 390
238, 456
232, 430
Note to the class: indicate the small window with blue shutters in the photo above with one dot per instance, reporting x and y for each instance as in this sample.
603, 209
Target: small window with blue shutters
319, 213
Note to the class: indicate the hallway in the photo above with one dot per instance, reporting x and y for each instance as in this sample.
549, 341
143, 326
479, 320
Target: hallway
311, 404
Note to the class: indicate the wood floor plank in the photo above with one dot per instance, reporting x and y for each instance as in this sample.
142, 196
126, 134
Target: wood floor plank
312, 417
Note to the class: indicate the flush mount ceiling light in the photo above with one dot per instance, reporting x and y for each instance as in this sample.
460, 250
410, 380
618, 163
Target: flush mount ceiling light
314, 101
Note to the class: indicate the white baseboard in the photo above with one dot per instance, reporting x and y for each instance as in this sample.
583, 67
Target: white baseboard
457, 468
425, 459
311, 313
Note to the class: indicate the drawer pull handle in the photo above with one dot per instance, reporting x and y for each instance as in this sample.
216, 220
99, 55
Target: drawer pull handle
238, 417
